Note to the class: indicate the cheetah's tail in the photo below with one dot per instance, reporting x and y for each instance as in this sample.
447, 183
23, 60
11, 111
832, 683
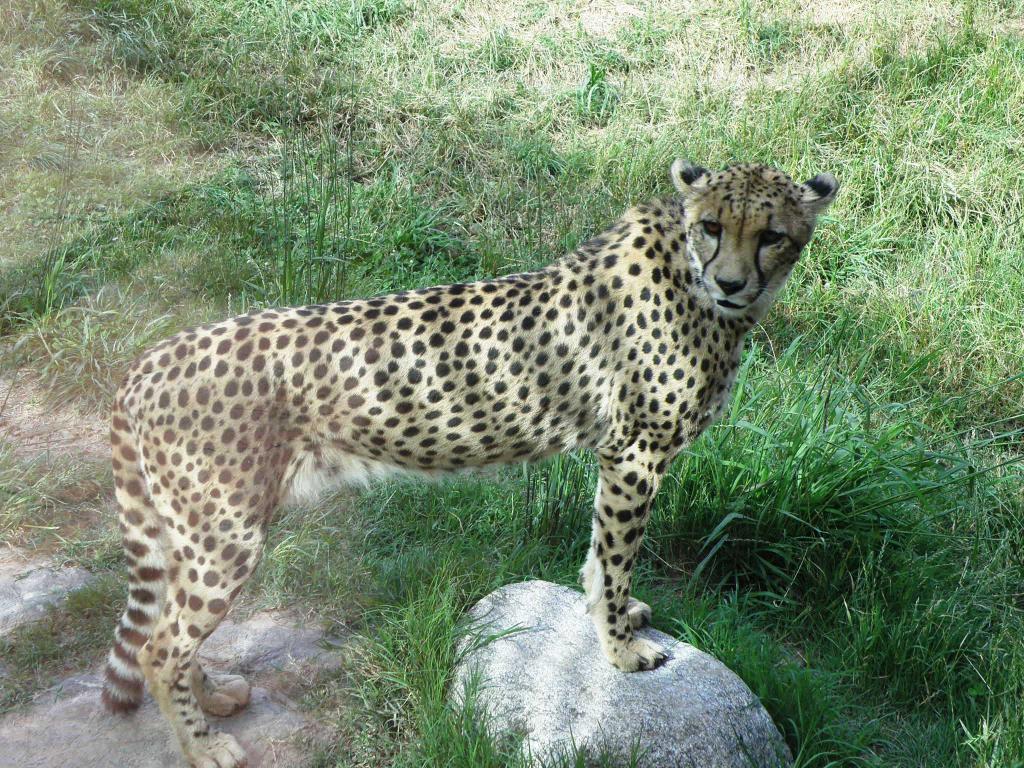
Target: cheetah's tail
141, 529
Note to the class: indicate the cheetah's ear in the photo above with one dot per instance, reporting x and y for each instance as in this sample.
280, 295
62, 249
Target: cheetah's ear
687, 176
819, 192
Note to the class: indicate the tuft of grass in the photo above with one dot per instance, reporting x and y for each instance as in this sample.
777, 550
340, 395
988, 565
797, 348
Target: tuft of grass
82, 354
596, 98
311, 552
814, 708
767, 42
368, 14
502, 52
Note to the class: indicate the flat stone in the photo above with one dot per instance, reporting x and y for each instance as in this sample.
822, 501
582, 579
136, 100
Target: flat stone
68, 725
546, 681
28, 587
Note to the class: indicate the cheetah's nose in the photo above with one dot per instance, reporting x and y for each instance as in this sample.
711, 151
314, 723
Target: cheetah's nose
729, 287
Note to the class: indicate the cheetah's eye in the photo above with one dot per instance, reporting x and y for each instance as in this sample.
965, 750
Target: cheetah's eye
771, 237
713, 228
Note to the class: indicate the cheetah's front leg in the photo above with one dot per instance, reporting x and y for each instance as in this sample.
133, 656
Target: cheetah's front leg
592, 578
626, 488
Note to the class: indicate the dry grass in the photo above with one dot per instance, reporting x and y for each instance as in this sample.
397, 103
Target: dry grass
79, 138
81, 355
64, 506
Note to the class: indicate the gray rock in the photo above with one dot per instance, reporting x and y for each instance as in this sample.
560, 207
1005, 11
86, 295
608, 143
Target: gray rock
27, 587
268, 642
546, 680
67, 725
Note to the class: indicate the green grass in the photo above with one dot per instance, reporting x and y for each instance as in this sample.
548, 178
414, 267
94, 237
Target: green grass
70, 638
848, 540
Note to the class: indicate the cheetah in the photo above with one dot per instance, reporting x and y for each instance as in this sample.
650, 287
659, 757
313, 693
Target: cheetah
627, 346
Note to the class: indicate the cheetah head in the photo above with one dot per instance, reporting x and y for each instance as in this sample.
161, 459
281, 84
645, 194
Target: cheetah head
745, 227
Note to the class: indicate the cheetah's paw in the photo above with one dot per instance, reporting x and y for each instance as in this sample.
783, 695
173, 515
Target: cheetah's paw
637, 655
217, 750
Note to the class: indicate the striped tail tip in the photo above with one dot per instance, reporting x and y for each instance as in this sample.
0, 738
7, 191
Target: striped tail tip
121, 694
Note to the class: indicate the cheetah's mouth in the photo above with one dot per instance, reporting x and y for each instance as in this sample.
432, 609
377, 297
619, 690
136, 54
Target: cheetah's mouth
725, 303
734, 307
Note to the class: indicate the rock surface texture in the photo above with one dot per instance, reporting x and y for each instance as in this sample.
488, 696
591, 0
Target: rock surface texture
546, 678
27, 587
67, 726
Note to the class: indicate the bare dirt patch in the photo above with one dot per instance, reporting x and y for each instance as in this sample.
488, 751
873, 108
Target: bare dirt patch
915, 19
602, 18
35, 430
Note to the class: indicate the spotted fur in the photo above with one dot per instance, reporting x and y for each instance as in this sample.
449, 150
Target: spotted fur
627, 347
